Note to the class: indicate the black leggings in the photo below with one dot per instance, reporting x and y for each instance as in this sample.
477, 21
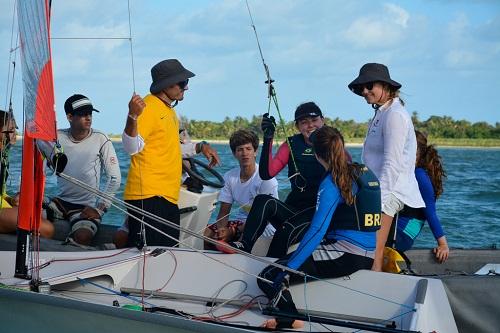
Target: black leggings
344, 265
290, 224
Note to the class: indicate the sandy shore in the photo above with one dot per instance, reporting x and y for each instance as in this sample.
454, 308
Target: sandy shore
348, 144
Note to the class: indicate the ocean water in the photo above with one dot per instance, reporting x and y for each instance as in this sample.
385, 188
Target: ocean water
469, 209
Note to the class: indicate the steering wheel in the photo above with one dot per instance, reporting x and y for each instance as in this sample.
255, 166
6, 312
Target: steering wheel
196, 174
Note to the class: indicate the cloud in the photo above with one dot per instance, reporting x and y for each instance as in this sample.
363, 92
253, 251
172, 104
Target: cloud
471, 47
379, 30
490, 30
398, 14
462, 58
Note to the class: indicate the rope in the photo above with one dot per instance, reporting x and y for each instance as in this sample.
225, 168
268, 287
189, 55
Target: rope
131, 44
90, 38
271, 95
134, 299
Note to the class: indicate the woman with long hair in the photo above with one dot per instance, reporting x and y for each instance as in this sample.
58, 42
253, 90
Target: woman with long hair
430, 176
389, 149
340, 240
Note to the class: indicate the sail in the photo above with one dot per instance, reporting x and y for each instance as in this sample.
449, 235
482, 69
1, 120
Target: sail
40, 123
33, 20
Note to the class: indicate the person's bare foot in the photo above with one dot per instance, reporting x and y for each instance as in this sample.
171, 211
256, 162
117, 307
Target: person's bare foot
273, 323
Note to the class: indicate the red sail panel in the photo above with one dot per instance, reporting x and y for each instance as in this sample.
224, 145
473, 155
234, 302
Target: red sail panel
25, 217
36, 59
32, 185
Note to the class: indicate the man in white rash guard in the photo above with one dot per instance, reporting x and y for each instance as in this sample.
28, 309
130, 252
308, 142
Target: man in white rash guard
90, 153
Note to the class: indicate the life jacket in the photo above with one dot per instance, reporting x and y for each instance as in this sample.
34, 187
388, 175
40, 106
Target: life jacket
308, 166
366, 212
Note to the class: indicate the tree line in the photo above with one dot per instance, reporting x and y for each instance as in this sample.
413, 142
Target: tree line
434, 126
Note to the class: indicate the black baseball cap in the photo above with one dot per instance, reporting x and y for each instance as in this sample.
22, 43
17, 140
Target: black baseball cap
78, 104
309, 109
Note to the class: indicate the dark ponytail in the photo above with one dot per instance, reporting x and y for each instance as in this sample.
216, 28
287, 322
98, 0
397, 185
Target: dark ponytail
329, 146
429, 159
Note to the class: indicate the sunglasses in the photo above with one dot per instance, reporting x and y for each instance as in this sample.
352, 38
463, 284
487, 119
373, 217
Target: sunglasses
83, 114
359, 89
183, 84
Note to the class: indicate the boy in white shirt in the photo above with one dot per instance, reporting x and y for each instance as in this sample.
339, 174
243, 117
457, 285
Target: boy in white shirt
242, 185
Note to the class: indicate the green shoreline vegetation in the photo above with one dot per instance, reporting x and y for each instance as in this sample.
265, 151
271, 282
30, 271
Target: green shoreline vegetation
442, 130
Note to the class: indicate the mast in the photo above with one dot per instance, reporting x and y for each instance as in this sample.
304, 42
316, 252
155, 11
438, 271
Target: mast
40, 123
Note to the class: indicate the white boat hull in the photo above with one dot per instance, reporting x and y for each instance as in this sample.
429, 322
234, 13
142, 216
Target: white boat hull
84, 286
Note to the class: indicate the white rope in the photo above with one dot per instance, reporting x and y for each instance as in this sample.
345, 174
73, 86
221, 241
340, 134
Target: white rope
117, 202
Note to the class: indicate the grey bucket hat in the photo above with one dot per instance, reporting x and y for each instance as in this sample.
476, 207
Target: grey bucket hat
372, 72
167, 73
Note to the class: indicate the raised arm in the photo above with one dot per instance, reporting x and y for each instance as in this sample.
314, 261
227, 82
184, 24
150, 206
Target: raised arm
132, 141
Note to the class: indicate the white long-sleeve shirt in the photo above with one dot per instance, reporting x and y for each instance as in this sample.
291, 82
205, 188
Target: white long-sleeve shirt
87, 159
390, 151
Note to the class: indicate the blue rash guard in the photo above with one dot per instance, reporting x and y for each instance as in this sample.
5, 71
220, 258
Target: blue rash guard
409, 228
328, 199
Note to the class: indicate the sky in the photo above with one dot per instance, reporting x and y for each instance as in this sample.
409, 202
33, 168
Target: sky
445, 53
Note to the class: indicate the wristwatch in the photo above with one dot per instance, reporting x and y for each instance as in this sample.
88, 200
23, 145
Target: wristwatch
200, 145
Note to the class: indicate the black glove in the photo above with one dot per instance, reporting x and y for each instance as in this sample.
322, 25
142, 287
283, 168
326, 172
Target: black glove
268, 126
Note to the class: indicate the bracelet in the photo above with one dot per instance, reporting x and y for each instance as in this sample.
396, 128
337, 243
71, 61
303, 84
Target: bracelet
132, 117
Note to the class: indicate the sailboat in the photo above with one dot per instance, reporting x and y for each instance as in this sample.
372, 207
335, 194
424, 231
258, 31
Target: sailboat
161, 289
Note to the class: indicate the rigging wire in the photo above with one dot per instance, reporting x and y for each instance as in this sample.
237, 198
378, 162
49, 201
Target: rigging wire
89, 38
12, 50
120, 203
